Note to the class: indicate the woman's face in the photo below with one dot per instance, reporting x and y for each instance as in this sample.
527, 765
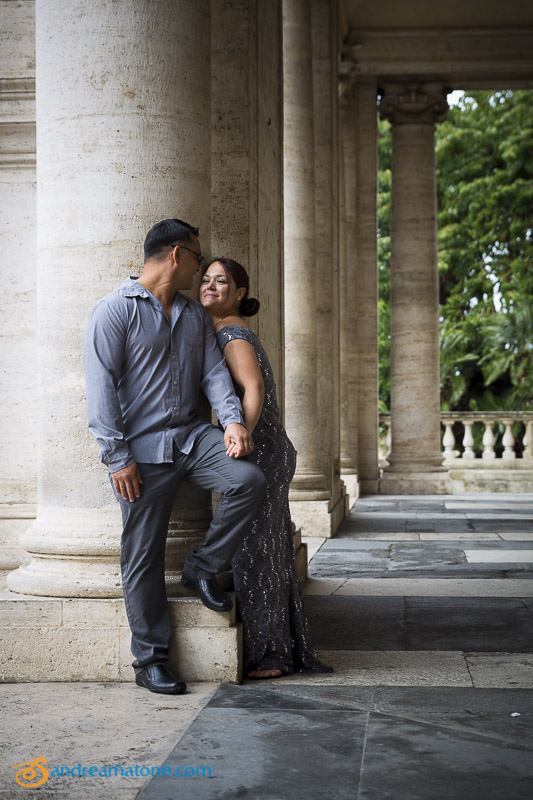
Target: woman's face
218, 292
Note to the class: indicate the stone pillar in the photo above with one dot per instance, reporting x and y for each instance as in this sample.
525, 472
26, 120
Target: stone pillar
348, 299
324, 32
247, 156
366, 284
415, 460
123, 140
18, 471
247, 165
309, 486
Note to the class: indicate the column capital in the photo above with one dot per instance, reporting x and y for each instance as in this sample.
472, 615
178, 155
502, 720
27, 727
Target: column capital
410, 103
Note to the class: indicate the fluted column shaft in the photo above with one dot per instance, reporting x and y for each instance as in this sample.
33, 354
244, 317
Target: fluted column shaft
247, 141
324, 37
348, 298
123, 140
366, 283
415, 395
300, 248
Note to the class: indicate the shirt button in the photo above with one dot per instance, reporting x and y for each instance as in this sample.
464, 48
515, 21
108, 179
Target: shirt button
175, 408
175, 382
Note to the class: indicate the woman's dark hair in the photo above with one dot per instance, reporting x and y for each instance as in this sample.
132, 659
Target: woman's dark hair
248, 305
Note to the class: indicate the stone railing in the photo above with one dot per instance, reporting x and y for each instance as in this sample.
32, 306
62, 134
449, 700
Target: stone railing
507, 436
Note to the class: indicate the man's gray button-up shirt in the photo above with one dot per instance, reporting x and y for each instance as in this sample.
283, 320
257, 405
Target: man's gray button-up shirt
144, 376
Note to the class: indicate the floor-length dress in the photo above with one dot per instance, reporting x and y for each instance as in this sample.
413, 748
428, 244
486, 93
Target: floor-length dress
269, 594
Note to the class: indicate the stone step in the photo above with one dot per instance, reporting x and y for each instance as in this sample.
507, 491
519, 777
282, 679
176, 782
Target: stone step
77, 639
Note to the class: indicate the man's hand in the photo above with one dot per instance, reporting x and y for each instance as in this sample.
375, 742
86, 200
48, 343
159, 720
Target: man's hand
237, 440
127, 482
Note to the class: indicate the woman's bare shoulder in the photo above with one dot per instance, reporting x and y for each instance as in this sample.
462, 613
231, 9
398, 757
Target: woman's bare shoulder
230, 322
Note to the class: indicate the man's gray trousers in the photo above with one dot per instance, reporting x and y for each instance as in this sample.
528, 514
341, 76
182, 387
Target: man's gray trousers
145, 523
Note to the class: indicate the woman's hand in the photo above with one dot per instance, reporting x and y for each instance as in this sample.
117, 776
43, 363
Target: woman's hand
237, 440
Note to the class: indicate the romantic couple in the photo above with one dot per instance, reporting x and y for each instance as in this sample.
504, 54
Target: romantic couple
149, 350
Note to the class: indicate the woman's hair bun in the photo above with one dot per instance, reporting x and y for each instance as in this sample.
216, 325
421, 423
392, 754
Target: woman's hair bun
249, 307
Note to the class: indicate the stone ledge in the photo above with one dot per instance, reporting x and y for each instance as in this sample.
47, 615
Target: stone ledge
22, 611
489, 480
352, 489
415, 483
318, 517
301, 562
78, 639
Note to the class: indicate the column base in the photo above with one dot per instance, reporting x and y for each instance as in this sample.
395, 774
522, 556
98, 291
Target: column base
317, 517
352, 488
300, 555
432, 482
14, 519
75, 552
57, 639
369, 486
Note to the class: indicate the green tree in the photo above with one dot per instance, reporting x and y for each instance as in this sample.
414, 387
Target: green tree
484, 152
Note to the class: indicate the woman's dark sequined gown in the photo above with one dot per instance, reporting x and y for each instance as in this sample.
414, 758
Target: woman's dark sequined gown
269, 594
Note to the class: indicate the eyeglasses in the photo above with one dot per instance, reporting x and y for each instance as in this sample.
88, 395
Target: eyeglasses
199, 257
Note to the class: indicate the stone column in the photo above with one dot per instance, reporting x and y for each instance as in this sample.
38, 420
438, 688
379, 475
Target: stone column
123, 140
348, 299
366, 283
18, 471
247, 156
415, 460
308, 487
324, 33
247, 164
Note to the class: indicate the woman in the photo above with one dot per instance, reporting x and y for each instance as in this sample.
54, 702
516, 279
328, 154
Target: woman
269, 595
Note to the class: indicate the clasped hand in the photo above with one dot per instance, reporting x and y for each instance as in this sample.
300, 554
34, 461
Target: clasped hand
127, 481
238, 441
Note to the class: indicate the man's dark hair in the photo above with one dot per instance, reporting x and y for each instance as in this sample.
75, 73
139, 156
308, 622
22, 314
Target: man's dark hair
165, 233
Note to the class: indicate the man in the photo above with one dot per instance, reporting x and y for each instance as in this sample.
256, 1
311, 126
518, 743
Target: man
149, 350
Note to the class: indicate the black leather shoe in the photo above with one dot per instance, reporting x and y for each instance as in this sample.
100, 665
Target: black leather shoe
209, 593
157, 678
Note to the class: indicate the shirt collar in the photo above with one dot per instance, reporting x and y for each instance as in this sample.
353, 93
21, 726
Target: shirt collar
132, 288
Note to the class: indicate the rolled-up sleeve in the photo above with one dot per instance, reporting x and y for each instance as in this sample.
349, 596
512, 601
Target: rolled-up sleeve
105, 338
216, 380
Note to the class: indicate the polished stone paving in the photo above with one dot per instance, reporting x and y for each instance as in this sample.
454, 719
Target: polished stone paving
431, 697
432, 694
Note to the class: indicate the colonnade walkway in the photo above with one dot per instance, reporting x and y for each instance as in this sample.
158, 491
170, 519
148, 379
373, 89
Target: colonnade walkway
423, 606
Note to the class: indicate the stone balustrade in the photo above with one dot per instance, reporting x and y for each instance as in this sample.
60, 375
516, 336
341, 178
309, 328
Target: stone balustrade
507, 437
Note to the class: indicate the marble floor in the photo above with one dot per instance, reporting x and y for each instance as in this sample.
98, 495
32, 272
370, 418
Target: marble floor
423, 606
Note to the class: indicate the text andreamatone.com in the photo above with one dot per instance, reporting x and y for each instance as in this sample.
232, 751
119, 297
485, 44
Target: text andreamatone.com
133, 771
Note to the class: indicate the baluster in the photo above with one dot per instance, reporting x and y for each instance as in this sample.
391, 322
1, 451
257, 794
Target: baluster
388, 438
448, 440
488, 443
468, 441
527, 441
508, 441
